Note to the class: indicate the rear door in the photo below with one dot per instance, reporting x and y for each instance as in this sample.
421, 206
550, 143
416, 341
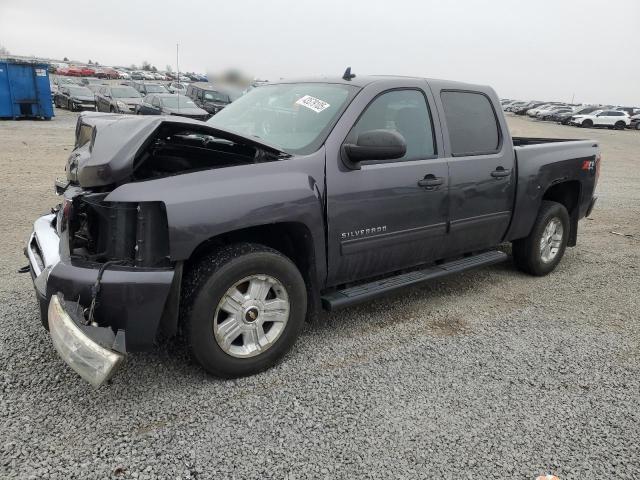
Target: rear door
481, 169
383, 217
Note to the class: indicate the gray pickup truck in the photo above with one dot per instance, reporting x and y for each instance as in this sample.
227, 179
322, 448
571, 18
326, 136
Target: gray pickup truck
298, 196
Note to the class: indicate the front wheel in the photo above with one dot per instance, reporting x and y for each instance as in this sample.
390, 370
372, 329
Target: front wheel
587, 124
242, 308
540, 252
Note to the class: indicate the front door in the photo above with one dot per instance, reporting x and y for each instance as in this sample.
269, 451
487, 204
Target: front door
388, 215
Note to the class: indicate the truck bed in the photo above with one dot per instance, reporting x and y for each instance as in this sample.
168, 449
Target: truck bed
525, 141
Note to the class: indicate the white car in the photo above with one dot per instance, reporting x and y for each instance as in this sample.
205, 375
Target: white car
177, 87
533, 111
602, 118
123, 75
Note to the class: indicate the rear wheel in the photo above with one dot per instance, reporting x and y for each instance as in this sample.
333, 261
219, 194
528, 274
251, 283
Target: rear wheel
620, 125
638, 126
540, 252
243, 308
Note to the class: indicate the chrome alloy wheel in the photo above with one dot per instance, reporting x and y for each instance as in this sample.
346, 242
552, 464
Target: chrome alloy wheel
551, 240
251, 316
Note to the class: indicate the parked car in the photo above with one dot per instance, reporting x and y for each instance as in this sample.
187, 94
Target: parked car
69, 71
628, 110
634, 122
74, 98
522, 109
135, 75
59, 80
243, 226
170, 104
177, 87
92, 80
146, 88
208, 96
95, 87
117, 99
123, 75
106, 72
555, 115
546, 113
565, 118
602, 118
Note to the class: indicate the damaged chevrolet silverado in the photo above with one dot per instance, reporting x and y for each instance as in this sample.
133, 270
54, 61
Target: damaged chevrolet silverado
298, 196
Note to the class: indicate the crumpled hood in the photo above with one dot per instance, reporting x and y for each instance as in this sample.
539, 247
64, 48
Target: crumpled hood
109, 156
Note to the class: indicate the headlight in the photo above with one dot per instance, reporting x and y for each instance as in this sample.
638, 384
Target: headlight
123, 107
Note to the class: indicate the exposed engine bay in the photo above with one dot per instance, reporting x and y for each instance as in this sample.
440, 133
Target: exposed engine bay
174, 151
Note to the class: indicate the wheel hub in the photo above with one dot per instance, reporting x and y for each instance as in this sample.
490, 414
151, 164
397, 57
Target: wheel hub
551, 240
251, 316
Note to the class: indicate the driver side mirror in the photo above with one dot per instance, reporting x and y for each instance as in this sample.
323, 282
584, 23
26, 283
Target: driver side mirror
375, 145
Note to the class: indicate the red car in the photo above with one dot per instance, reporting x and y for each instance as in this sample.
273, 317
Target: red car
86, 71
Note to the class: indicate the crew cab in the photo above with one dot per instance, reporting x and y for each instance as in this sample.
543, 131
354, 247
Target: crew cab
298, 196
602, 118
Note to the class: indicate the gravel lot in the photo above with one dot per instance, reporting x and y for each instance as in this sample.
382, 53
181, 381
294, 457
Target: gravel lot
489, 373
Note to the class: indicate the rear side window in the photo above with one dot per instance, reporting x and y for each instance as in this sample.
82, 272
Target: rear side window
473, 127
404, 111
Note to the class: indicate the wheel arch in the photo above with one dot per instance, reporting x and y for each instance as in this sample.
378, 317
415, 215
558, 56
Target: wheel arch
568, 194
292, 239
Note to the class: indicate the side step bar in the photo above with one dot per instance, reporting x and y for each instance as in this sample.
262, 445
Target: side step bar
360, 293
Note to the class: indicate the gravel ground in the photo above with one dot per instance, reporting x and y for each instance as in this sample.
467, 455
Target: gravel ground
490, 374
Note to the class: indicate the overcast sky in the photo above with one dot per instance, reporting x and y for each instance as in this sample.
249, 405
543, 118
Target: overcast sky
536, 49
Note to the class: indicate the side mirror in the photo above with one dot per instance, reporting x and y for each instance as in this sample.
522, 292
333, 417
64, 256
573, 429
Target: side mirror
375, 145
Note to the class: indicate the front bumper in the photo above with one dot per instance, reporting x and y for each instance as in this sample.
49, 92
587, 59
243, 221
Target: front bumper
128, 313
93, 362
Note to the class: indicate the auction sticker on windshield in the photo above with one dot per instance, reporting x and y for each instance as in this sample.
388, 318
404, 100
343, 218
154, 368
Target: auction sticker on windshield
313, 103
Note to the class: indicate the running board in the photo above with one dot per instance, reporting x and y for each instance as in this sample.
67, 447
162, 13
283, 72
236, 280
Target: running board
360, 293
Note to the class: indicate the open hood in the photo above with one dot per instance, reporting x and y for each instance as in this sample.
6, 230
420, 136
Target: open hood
109, 147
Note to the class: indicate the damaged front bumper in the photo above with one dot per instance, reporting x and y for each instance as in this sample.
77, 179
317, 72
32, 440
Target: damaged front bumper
129, 308
93, 362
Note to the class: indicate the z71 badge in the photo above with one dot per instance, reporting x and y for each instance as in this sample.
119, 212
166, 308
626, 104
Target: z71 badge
362, 233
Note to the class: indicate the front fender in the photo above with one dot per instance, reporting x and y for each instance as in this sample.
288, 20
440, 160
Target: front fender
205, 204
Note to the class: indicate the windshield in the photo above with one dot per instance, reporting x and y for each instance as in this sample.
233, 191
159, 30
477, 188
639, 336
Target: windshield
295, 117
178, 101
124, 92
80, 91
212, 96
155, 88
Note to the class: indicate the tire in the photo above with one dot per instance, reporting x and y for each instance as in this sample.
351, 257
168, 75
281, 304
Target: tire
528, 254
112, 110
620, 125
587, 124
231, 345
638, 126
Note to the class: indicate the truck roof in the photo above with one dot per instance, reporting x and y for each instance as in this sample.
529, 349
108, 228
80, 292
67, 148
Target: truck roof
364, 80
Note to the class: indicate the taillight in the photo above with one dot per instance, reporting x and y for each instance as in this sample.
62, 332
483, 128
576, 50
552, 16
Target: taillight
598, 158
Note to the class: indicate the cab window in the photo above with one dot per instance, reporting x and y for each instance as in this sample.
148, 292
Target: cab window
404, 111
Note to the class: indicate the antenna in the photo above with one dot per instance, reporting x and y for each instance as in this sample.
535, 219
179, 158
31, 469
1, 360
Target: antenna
178, 74
348, 75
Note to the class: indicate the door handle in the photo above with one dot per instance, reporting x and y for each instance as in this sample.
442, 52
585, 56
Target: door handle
500, 172
430, 181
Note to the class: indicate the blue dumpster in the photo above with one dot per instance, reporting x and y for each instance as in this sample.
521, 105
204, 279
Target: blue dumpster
24, 89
